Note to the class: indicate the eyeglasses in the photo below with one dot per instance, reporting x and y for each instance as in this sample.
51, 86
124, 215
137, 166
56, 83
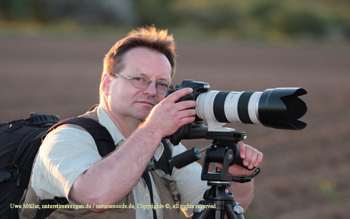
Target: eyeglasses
142, 82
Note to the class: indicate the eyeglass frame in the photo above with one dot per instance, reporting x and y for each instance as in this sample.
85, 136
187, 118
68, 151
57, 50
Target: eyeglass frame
148, 83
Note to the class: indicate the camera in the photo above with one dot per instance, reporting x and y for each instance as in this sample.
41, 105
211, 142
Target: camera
276, 108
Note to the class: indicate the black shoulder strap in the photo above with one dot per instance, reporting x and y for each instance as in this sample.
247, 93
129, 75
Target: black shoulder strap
163, 162
43, 213
103, 139
105, 145
148, 182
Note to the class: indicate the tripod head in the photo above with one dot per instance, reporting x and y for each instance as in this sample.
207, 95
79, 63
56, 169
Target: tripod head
223, 150
224, 140
226, 151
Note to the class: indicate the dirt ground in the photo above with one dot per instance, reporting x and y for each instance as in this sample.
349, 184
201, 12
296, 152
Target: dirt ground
305, 174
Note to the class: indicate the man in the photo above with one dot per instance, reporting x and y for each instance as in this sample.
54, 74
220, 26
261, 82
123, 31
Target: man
137, 72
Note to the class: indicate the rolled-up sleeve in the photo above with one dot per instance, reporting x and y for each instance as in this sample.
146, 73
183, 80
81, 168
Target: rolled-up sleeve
65, 154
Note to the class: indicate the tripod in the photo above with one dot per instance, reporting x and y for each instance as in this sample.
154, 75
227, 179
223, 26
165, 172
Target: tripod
218, 199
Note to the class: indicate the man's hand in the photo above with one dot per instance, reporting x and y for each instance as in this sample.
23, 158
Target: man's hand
168, 116
251, 158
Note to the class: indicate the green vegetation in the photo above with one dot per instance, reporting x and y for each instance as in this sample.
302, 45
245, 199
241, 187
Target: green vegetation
271, 20
329, 191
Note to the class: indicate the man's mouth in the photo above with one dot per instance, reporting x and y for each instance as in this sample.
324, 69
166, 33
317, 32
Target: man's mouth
146, 103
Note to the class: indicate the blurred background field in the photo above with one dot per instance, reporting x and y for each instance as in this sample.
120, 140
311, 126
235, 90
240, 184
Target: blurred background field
258, 20
51, 60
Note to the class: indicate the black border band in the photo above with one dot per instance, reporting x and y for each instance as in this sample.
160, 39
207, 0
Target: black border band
219, 106
242, 107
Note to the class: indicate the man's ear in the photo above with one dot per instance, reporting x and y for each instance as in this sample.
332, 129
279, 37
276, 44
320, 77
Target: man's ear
105, 83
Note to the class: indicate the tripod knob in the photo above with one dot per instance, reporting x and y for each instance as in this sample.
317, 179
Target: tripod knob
234, 210
238, 209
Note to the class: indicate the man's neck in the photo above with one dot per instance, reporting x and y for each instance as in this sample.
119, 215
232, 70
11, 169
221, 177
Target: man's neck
126, 125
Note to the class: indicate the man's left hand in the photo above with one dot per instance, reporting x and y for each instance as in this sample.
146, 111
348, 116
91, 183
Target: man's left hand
251, 159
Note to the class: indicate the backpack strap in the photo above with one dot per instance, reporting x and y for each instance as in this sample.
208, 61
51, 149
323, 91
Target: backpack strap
103, 139
148, 182
105, 145
43, 213
163, 162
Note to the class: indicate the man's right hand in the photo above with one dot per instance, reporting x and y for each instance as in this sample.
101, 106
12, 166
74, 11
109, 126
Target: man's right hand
168, 116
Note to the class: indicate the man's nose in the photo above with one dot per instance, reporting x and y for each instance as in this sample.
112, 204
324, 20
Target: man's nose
151, 89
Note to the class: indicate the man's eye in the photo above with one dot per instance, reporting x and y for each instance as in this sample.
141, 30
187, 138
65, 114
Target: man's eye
163, 84
139, 79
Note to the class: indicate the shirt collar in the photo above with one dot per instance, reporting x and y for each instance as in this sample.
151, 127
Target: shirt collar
117, 136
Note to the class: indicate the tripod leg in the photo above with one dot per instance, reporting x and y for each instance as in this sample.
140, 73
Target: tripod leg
234, 210
220, 209
203, 213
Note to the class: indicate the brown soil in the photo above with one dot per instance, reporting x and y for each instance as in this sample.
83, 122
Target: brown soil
305, 174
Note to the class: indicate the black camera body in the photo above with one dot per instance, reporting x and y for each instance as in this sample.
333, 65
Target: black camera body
199, 130
197, 86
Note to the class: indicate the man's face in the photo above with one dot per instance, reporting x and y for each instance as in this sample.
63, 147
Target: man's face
126, 101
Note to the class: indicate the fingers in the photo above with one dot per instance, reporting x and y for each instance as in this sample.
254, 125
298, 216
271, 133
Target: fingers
173, 97
184, 116
183, 105
251, 156
168, 116
184, 111
187, 113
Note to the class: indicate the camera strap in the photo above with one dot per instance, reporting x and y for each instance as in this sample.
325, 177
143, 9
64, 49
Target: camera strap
147, 179
163, 164
246, 179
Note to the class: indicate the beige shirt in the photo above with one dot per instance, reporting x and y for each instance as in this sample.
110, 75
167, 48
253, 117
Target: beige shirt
69, 151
